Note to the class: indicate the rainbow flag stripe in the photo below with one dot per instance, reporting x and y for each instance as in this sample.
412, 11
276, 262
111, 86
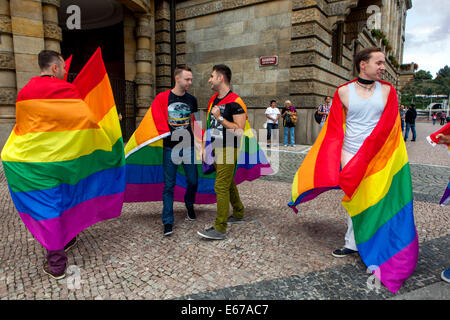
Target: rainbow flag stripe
145, 179
446, 196
64, 160
378, 190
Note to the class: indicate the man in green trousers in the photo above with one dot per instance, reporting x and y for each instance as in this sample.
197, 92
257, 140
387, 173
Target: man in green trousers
226, 121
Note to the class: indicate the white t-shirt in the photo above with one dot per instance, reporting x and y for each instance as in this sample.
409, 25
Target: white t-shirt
272, 112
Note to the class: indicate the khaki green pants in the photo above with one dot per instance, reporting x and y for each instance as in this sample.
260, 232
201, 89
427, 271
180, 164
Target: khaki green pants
225, 188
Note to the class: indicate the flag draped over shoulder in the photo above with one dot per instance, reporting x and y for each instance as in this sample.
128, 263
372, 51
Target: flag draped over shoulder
144, 160
68, 62
445, 130
64, 160
252, 162
377, 186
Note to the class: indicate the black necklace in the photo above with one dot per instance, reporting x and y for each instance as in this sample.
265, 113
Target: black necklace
367, 88
364, 81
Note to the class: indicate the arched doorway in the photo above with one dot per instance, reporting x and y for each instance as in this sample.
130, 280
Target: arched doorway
100, 25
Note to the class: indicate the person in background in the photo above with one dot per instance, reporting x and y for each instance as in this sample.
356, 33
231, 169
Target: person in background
324, 110
434, 118
402, 116
272, 114
443, 116
410, 120
289, 115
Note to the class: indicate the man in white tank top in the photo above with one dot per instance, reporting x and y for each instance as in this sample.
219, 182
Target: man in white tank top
363, 101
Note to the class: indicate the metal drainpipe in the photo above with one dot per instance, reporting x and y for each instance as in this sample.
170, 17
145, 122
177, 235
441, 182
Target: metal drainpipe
173, 41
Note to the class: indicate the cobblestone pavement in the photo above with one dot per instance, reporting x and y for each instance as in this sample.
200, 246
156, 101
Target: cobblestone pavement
275, 255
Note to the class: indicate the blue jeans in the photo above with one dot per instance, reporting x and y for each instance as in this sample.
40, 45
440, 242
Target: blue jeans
289, 131
403, 125
270, 126
170, 177
413, 129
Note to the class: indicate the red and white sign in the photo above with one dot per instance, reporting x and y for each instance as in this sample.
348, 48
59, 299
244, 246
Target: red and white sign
268, 61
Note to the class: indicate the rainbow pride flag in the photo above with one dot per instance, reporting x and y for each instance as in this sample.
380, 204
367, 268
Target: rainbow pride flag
377, 186
64, 160
433, 140
252, 162
144, 159
446, 196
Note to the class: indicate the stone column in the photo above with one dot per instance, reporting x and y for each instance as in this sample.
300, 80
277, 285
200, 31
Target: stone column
28, 38
385, 16
163, 55
52, 32
144, 76
8, 89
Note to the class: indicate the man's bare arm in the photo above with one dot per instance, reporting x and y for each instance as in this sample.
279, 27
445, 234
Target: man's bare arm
237, 125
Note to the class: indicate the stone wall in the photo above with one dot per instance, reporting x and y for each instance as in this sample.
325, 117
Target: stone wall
8, 84
212, 35
215, 32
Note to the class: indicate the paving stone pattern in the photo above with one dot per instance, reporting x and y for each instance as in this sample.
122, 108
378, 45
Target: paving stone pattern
275, 255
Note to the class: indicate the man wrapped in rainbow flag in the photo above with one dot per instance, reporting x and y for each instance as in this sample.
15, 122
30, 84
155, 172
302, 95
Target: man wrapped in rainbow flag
360, 150
231, 146
64, 160
144, 158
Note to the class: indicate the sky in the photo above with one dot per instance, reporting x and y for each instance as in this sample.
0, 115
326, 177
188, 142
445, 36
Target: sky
427, 35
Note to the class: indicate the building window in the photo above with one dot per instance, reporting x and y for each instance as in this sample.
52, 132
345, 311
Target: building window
337, 43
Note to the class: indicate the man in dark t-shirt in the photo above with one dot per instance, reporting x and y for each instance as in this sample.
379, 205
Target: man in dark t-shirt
179, 147
179, 112
226, 116
410, 120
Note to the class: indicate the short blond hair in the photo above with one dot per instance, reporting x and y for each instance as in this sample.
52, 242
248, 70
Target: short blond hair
288, 102
180, 69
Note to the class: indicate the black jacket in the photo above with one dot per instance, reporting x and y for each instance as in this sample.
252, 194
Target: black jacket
411, 115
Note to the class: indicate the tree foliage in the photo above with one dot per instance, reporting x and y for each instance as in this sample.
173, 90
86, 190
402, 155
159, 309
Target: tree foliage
423, 75
424, 84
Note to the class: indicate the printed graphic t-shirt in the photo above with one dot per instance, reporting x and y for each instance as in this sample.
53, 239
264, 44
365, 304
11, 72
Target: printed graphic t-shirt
179, 111
226, 111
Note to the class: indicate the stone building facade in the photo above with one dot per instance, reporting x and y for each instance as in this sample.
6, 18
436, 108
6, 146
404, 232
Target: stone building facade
143, 40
